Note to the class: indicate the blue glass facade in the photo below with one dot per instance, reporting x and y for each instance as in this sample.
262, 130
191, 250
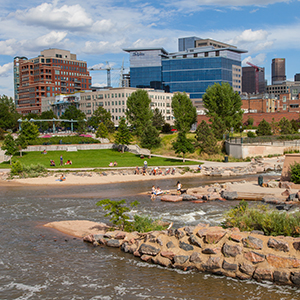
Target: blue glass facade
194, 75
144, 77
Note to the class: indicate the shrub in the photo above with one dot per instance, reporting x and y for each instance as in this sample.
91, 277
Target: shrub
251, 134
27, 171
261, 218
16, 168
144, 224
295, 173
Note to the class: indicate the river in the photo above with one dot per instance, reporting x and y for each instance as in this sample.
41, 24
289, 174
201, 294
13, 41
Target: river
40, 263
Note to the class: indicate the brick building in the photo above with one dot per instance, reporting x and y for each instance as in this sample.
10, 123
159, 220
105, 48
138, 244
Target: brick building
53, 72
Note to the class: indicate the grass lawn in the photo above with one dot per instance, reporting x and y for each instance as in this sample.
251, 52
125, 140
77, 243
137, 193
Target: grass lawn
93, 159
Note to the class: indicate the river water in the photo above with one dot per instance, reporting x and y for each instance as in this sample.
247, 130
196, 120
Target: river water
40, 263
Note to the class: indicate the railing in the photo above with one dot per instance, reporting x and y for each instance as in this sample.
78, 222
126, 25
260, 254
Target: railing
291, 139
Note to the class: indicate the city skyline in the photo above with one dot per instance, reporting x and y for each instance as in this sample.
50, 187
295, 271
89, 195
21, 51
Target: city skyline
98, 33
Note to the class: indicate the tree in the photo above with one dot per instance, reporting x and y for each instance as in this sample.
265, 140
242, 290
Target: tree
29, 131
47, 115
102, 131
264, 128
100, 115
295, 124
21, 143
138, 112
158, 120
223, 106
285, 126
8, 114
123, 136
9, 145
184, 112
206, 140
183, 145
166, 128
72, 113
275, 127
150, 138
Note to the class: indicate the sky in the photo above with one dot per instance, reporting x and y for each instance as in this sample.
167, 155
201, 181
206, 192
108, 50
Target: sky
97, 31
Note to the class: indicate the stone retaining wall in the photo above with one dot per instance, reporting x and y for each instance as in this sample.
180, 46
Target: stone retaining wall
242, 255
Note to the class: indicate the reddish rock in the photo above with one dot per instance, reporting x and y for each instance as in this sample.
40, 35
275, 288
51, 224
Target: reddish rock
283, 262
120, 235
263, 274
242, 276
202, 232
215, 250
236, 237
278, 245
254, 257
286, 193
285, 184
247, 268
168, 255
146, 257
252, 242
281, 277
212, 264
213, 237
89, 238
170, 198
136, 253
163, 261
231, 250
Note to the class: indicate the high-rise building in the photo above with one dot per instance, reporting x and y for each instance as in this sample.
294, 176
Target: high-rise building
249, 80
278, 70
297, 77
191, 70
53, 72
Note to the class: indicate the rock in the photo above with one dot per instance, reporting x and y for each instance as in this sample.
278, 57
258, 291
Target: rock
273, 184
295, 278
281, 277
263, 274
285, 185
170, 255
257, 232
269, 199
137, 253
229, 195
189, 230
89, 238
187, 197
286, 193
159, 242
114, 243
195, 258
231, 250
179, 233
171, 198
148, 249
215, 250
185, 246
180, 259
125, 247
296, 245
195, 241
229, 267
254, 257
171, 232
282, 262
212, 264
202, 232
162, 261
252, 242
291, 197
278, 245
298, 195
246, 268
213, 237
120, 236
236, 237
170, 245
133, 248
146, 258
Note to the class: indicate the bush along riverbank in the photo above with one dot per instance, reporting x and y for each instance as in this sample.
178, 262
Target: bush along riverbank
228, 252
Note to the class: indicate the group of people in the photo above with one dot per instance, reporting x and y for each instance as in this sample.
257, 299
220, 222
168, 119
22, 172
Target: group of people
52, 162
111, 164
155, 191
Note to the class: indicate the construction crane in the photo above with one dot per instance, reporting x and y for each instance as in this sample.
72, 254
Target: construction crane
257, 70
108, 68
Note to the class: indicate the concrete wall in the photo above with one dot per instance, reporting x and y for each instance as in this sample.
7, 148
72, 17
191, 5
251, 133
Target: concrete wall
290, 159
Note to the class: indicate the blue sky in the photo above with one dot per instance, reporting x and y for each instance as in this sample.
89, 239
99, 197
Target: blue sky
97, 31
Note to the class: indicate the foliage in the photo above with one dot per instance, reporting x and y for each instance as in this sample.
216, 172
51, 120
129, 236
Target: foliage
223, 106
150, 138
123, 135
29, 131
21, 143
158, 120
184, 112
73, 113
47, 115
102, 131
9, 145
2, 135
250, 122
138, 112
250, 134
144, 224
99, 116
8, 114
16, 167
55, 140
295, 173
183, 145
295, 124
274, 127
264, 128
166, 128
206, 140
285, 126
271, 222
117, 211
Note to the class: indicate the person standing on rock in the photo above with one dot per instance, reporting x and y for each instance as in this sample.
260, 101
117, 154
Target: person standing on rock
178, 187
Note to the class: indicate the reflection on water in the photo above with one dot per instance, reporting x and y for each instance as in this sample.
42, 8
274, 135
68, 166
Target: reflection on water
40, 263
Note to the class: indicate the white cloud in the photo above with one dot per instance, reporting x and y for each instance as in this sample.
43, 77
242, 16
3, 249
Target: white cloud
6, 69
258, 60
50, 16
51, 39
7, 47
102, 47
249, 36
104, 26
141, 43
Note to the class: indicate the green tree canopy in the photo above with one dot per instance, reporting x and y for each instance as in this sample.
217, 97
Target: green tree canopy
183, 145
223, 106
264, 128
73, 113
9, 145
138, 112
150, 138
158, 121
286, 126
206, 140
47, 115
123, 136
8, 114
100, 115
29, 131
102, 131
184, 112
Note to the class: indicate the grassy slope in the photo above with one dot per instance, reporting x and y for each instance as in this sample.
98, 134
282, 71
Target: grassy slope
93, 159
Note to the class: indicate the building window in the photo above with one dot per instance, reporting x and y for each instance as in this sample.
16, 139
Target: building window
284, 99
284, 106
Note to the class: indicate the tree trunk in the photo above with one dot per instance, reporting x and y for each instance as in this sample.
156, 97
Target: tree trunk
123, 146
183, 160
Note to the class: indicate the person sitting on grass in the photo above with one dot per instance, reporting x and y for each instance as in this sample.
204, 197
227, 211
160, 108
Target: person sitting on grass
111, 164
44, 152
69, 162
52, 163
115, 164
